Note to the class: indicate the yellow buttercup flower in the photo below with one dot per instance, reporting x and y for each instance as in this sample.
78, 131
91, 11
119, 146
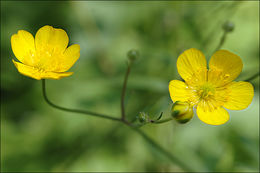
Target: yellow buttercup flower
211, 90
45, 57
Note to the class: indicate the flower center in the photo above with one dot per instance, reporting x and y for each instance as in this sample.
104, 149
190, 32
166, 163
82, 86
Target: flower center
206, 91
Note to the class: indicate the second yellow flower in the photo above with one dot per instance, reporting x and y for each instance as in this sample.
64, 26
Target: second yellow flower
46, 56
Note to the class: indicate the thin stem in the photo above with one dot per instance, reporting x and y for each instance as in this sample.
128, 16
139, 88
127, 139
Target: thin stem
162, 121
153, 122
148, 139
166, 153
124, 92
73, 110
252, 77
222, 41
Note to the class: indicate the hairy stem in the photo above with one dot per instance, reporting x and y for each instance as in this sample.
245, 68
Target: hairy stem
73, 110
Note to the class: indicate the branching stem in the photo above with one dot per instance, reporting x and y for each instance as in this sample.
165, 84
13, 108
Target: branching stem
148, 139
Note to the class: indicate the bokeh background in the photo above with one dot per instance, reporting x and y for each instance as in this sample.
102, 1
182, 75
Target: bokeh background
36, 137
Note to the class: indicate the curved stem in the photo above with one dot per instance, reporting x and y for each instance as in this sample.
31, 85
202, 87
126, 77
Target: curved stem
124, 91
148, 139
73, 110
173, 159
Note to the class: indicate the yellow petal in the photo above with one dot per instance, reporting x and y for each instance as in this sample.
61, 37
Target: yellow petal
217, 116
55, 75
50, 45
51, 39
39, 74
240, 96
70, 56
23, 47
224, 67
178, 91
191, 62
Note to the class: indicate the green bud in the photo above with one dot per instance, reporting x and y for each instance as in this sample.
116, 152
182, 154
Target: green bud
133, 55
182, 112
143, 117
228, 26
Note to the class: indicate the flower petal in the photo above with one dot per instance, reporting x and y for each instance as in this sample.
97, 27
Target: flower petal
70, 56
217, 116
178, 91
27, 70
240, 96
51, 39
55, 75
50, 45
38, 74
224, 67
190, 62
23, 47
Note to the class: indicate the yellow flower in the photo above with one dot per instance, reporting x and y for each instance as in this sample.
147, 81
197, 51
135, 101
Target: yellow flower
210, 90
46, 56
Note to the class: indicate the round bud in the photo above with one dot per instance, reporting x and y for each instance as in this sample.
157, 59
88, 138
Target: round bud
182, 112
228, 26
132, 54
143, 117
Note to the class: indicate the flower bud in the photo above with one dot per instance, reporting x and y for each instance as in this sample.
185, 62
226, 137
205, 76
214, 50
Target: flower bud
182, 112
132, 55
228, 26
143, 117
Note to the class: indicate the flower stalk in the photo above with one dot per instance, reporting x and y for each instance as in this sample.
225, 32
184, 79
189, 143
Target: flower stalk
145, 137
124, 92
144, 118
132, 56
162, 121
227, 27
73, 110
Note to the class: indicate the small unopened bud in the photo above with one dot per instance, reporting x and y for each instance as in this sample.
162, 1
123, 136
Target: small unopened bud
228, 26
182, 112
143, 117
132, 55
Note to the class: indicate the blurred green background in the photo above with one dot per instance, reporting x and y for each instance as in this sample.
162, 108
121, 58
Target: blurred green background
37, 137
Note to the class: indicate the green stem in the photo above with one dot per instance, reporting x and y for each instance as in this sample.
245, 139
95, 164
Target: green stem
162, 121
162, 150
73, 110
148, 139
124, 92
222, 41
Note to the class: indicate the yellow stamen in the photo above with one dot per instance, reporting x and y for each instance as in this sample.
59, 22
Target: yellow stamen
206, 91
